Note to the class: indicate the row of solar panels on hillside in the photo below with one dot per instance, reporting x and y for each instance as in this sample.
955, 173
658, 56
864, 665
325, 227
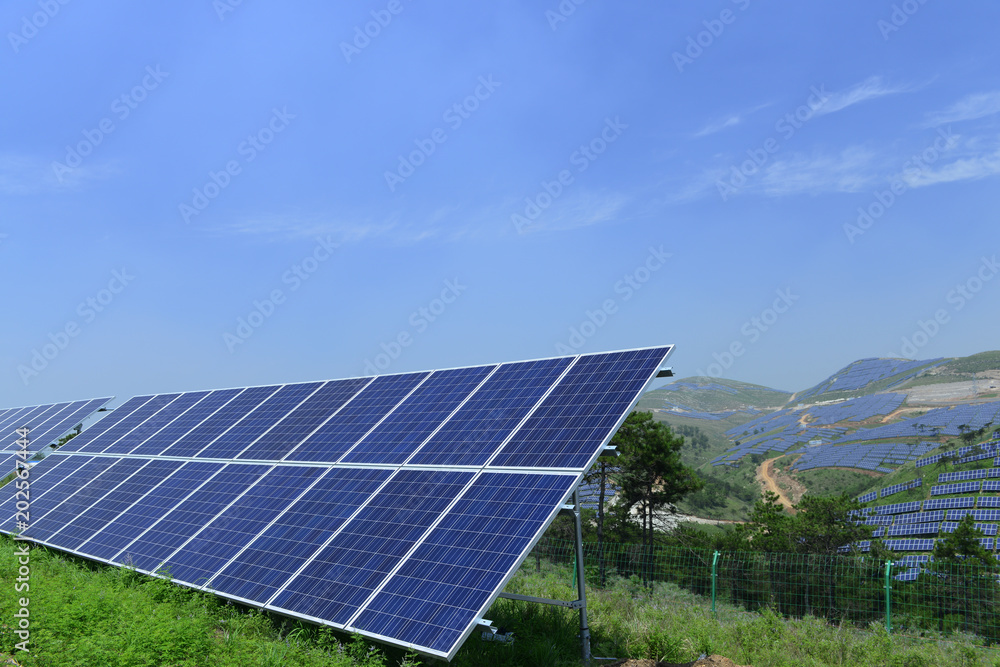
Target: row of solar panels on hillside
46, 424
899, 488
864, 546
963, 454
397, 506
931, 504
942, 421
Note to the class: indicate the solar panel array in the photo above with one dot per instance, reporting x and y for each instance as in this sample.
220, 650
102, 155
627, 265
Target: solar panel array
958, 487
962, 475
864, 372
396, 506
898, 488
910, 545
949, 503
47, 423
914, 529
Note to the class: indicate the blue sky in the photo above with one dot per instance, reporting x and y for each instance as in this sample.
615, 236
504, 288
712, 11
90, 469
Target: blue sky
213, 194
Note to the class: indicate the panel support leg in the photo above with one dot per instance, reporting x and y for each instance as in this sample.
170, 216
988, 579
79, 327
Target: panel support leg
581, 581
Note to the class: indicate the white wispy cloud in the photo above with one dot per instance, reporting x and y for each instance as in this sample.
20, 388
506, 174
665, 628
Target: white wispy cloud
29, 175
851, 170
296, 227
970, 107
580, 209
731, 120
963, 169
871, 88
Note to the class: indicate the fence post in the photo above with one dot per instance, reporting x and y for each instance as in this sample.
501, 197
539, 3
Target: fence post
715, 560
574, 570
888, 597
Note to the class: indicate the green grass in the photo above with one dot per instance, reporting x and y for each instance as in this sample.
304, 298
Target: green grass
832, 482
84, 614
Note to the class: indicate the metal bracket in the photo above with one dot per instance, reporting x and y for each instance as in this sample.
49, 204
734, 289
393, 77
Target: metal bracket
567, 509
665, 373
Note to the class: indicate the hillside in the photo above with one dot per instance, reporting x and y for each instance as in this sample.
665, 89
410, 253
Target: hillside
866, 421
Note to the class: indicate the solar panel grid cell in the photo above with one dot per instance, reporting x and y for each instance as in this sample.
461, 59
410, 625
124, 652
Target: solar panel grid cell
399, 435
362, 413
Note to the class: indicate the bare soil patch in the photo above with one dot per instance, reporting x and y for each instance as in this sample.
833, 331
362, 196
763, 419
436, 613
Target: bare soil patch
769, 480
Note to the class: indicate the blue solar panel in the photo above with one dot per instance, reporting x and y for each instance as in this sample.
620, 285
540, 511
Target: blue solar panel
142, 425
236, 526
47, 423
257, 422
80, 491
411, 555
988, 501
338, 580
920, 517
43, 476
481, 425
107, 509
221, 421
181, 423
910, 545
948, 503
304, 419
991, 485
256, 573
914, 529
105, 425
131, 523
586, 406
331, 440
397, 437
172, 530
958, 487
445, 586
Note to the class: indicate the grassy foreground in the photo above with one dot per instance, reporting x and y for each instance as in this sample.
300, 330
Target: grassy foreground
85, 615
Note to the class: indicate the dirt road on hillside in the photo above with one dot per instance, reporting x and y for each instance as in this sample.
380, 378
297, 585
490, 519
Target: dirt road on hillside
765, 475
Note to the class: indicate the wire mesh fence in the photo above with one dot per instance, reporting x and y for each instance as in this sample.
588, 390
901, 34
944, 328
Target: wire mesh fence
909, 597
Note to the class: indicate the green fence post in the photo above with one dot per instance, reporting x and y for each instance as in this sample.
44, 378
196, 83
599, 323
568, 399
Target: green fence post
715, 561
888, 597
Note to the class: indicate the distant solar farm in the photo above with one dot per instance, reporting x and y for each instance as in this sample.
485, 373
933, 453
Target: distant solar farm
827, 427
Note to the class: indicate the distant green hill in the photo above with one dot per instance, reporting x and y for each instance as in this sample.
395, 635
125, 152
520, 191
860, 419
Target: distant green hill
716, 405
703, 394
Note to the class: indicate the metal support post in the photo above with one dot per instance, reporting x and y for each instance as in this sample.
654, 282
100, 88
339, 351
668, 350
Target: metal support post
581, 581
715, 561
888, 597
